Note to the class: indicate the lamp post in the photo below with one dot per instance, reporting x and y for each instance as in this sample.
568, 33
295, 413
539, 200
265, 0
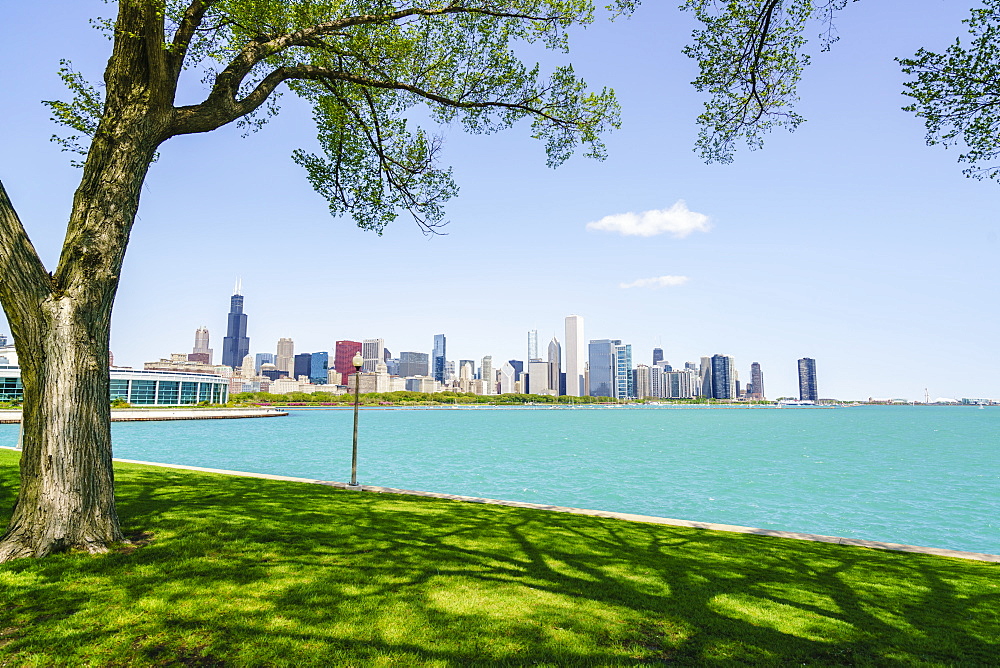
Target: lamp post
358, 362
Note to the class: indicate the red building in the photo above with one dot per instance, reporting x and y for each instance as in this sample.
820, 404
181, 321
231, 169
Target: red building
342, 356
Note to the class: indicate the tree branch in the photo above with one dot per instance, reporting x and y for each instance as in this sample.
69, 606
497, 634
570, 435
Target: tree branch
21, 271
193, 16
221, 102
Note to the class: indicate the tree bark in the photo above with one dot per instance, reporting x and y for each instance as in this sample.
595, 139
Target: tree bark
61, 322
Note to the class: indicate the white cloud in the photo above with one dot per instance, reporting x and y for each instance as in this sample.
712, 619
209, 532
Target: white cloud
656, 282
678, 220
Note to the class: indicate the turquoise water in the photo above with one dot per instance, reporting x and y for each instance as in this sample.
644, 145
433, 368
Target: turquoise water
919, 475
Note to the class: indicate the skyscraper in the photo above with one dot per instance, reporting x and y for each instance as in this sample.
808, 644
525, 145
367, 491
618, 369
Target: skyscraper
201, 349
723, 377
642, 382
705, 378
285, 357
807, 380
756, 382
487, 375
261, 359
576, 356
413, 364
555, 364
318, 364
533, 345
303, 365
236, 345
624, 381
343, 353
373, 350
657, 356
440, 361
601, 355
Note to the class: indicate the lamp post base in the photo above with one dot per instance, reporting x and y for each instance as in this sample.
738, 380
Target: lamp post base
355, 488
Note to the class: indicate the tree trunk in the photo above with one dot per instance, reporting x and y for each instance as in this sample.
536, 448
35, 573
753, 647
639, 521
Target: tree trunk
66, 499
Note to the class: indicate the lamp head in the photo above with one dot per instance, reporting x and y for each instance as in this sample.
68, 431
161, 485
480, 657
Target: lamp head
358, 361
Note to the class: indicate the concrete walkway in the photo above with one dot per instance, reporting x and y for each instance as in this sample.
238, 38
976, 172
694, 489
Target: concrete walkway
731, 528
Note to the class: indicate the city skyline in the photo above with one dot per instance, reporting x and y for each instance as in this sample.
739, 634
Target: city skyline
848, 241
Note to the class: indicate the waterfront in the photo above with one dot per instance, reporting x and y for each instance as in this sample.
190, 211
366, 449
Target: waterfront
918, 475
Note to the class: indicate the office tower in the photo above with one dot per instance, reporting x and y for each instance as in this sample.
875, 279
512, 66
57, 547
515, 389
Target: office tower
601, 361
201, 349
392, 366
518, 366
642, 382
680, 384
723, 377
657, 378
657, 356
261, 359
508, 378
319, 363
533, 345
373, 350
343, 356
576, 356
440, 361
756, 389
449, 370
285, 359
705, 378
3, 339
555, 364
487, 375
624, 388
247, 369
469, 363
303, 365
539, 373
807, 380
236, 345
413, 364
690, 366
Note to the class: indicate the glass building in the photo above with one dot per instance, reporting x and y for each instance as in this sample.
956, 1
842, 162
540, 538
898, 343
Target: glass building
140, 388
622, 365
601, 355
236, 345
440, 360
807, 380
319, 363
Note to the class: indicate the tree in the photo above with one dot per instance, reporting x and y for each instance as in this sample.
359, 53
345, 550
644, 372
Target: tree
957, 93
361, 64
751, 54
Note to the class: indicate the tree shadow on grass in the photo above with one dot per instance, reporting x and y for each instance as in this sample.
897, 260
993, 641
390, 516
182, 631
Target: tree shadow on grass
254, 572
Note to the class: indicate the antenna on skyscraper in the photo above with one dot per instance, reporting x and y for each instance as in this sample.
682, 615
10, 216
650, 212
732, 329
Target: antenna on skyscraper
239, 286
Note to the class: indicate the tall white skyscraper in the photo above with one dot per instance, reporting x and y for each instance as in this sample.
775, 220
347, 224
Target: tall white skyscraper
373, 350
576, 356
285, 359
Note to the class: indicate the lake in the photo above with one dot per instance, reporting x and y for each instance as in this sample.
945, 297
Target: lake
921, 475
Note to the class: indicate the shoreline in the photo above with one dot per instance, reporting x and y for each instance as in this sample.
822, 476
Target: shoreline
628, 517
164, 414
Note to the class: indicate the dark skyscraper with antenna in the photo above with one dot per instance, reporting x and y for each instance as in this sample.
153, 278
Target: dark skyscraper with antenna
236, 345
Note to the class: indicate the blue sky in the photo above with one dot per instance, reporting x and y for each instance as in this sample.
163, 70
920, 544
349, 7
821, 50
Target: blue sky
848, 241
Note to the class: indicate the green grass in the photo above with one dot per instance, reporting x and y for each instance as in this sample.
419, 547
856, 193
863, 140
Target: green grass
247, 572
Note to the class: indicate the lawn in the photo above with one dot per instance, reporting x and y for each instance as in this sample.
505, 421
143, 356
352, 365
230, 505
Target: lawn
247, 572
